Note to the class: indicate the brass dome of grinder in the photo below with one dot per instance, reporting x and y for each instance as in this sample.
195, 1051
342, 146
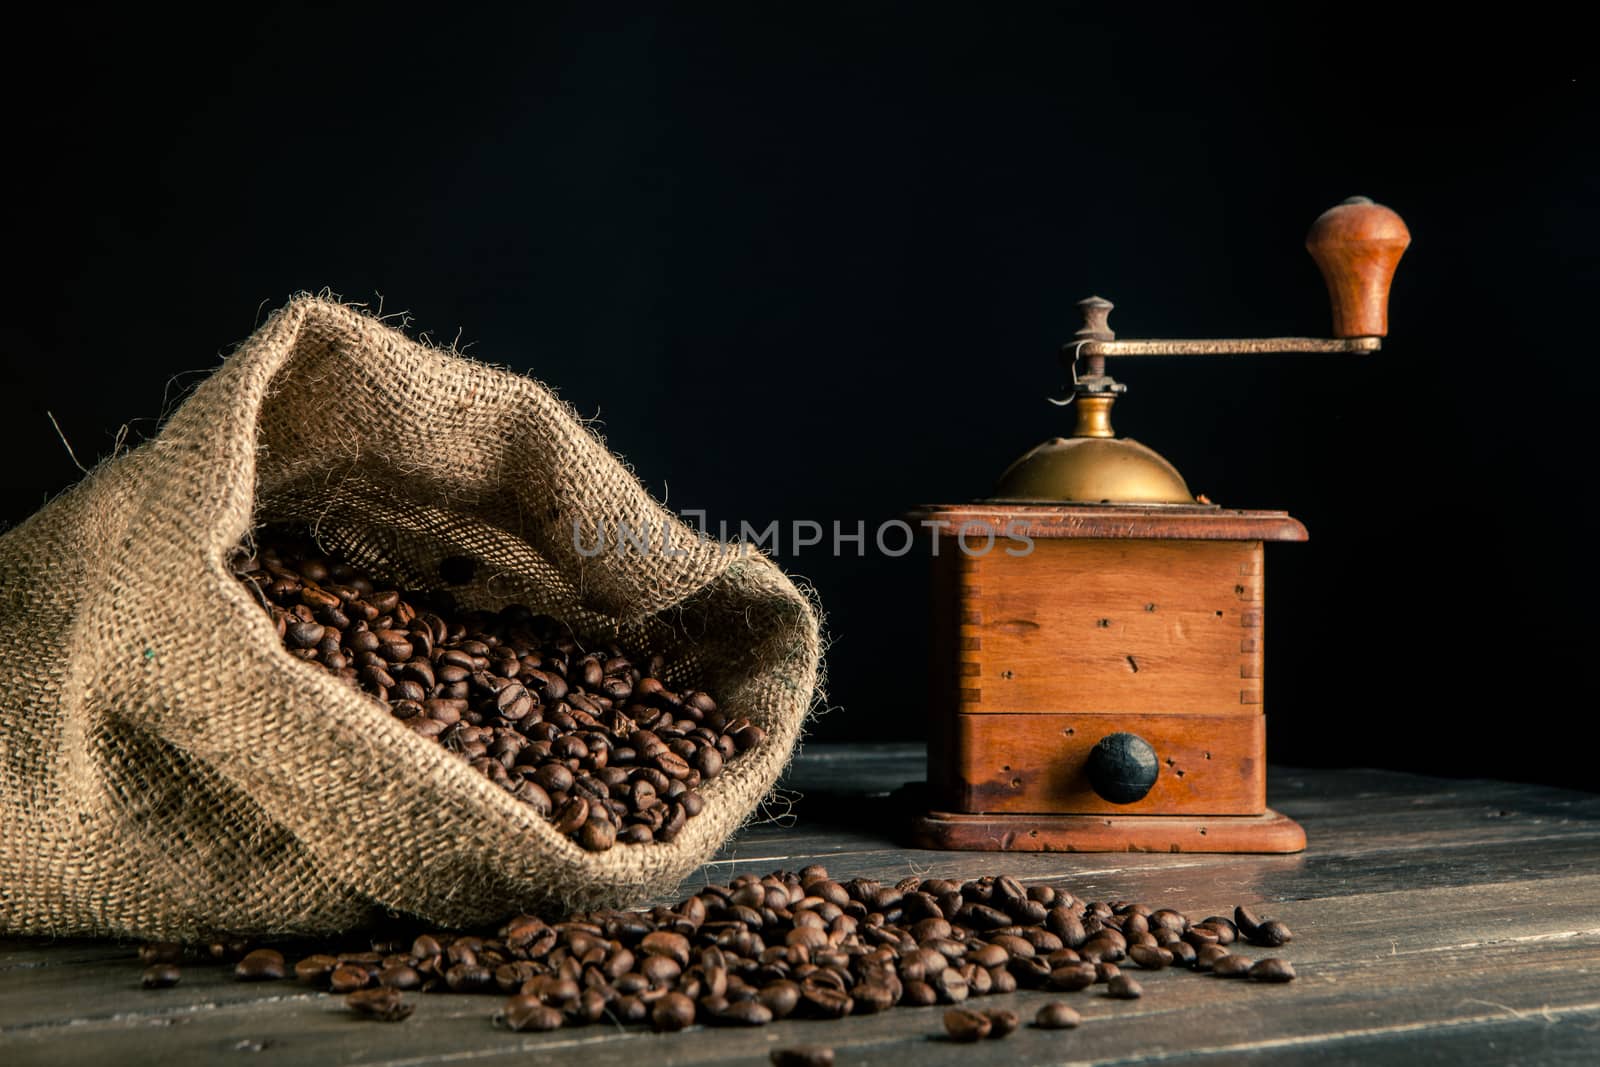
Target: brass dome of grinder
1093, 470
1093, 467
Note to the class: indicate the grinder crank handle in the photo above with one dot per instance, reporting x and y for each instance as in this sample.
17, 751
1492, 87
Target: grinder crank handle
1357, 246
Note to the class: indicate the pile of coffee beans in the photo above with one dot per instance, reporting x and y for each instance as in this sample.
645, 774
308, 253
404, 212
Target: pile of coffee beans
589, 737
788, 944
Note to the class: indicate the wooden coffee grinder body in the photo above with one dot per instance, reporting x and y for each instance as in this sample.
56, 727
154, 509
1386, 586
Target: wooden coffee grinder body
1104, 624
1098, 650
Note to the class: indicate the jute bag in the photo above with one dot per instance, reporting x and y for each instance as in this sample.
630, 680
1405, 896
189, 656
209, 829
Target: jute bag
168, 770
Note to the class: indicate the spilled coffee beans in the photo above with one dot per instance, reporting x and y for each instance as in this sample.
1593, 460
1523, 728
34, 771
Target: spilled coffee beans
790, 945
587, 736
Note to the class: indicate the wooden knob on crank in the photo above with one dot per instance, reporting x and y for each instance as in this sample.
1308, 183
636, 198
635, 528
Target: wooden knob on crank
1357, 246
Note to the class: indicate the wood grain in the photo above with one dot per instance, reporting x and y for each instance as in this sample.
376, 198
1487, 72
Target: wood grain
1132, 626
1209, 764
1357, 246
1437, 921
1267, 832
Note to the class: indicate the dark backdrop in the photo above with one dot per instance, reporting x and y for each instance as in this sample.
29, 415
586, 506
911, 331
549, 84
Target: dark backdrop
815, 263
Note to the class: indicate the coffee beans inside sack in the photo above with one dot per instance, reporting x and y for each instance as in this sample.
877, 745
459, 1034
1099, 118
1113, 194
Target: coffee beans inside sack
185, 754
587, 736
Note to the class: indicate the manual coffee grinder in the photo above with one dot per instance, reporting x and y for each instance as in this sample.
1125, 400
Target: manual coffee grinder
1103, 691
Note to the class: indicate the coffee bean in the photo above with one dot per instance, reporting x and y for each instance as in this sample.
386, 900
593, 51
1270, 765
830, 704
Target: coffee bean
966, 1026
597, 835
347, 978
673, 1012
399, 976
1246, 921
1271, 934
1057, 1016
1272, 969
1123, 987
1207, 955
262, 965
1149, 957
572, 816
870, 997
1230, 967
160, 976
314, 970
745, 1013
1003, 1022
951, 986
527, 1012
384, 1005
802, 1056
1073, 977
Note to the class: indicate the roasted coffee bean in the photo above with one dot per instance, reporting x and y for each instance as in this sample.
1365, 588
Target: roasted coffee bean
384, 1005
1271, 934
745, 1013
347, 978
314, 970
1206, 955
597, 835
1230, 967
1272, 969
673, 1012
1057, 1016
826, 1001
1149, 957
1003, 1022
781, 997
527, 1012
399, 976
966, 1026
160, 976
1073, 977
1246, 921
262, 965
871, 997
1123, 987
802, 1056
951, 986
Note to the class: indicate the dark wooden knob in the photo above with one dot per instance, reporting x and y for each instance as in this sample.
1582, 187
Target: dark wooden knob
1357, 246
1122, 768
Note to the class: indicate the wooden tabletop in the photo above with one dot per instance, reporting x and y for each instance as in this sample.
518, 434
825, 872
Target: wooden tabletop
1436, 921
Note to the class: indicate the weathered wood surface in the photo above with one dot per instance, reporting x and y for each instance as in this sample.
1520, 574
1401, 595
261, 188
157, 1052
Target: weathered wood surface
1436, 922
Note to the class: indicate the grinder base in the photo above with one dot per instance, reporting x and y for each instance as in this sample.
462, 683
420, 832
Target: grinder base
1268, 832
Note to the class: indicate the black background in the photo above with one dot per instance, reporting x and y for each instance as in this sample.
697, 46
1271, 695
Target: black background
815, 263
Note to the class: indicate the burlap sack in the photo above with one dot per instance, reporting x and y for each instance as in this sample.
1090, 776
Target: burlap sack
168, 770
